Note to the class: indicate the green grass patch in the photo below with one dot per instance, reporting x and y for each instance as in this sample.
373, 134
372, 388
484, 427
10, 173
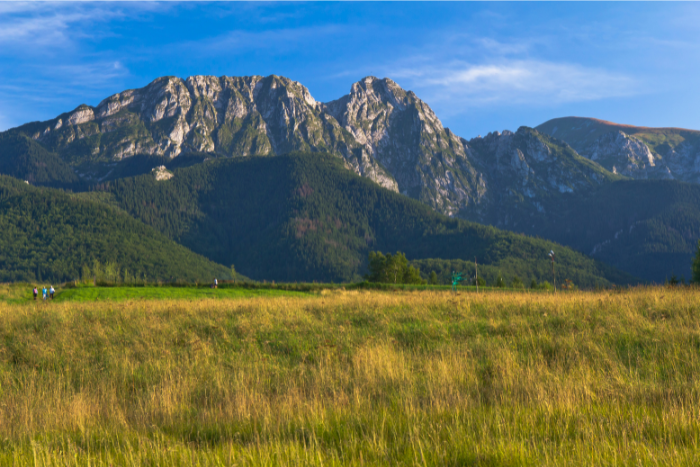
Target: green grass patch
91, 294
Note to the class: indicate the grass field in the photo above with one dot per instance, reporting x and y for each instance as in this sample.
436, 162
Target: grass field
354, 378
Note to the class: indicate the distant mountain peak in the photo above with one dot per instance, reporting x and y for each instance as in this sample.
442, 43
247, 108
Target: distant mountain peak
635, 151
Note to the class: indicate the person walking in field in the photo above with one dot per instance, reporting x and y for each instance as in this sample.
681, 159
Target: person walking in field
35, 292
51, 292
216, 283
44, 293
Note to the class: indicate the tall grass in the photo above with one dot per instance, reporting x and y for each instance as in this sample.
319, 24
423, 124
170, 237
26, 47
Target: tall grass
355, 378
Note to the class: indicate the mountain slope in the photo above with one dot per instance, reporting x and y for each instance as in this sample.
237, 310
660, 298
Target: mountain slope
24, 158
403, 134
526, 175
637, 152
305, 217
649, 228
50, 235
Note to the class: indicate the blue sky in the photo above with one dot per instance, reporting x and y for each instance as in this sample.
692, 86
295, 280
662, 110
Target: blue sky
480, 66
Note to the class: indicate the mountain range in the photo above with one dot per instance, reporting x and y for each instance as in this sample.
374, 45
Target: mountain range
563, 176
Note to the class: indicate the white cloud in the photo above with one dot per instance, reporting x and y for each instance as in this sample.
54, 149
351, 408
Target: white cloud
531, 82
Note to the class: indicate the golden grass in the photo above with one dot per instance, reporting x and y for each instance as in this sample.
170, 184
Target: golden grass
355, 378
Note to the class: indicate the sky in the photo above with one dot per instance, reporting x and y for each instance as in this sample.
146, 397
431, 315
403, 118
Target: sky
481, 66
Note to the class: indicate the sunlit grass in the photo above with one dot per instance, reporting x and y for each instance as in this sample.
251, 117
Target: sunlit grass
353, 378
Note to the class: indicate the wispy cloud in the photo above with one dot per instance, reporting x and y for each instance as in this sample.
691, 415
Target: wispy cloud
45, 62
41, 28
515, 82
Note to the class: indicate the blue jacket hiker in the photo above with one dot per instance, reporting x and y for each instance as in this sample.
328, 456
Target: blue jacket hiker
44, 290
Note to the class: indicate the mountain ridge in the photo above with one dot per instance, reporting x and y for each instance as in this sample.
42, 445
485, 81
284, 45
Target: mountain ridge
381, 131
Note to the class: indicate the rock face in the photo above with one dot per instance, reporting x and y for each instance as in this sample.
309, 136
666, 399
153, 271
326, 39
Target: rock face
161, 173
622, 154
636, 152
405, 136
524, 174
381, 131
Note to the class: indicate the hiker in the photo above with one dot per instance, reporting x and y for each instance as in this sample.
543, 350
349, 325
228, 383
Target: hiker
216, 283
44, 291
36, 292
51, 291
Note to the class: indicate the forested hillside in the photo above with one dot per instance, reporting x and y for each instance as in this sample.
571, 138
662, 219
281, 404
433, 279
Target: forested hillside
649, 228
304, 217
50, 235
24, 158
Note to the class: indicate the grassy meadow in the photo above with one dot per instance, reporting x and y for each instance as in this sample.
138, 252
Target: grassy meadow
353, 377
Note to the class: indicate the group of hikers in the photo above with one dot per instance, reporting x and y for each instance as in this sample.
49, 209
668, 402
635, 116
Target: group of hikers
46, 292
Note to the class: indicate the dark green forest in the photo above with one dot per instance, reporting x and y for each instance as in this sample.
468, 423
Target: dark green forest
25, 159
49, 235
304, 217
649, 228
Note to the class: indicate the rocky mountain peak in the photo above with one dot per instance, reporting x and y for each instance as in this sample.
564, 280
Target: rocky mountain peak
163, 97
379, 91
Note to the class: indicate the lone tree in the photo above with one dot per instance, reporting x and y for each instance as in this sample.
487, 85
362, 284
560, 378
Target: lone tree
392, 269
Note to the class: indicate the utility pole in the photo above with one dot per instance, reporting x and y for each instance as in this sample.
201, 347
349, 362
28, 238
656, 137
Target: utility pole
476, 275
554, 276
